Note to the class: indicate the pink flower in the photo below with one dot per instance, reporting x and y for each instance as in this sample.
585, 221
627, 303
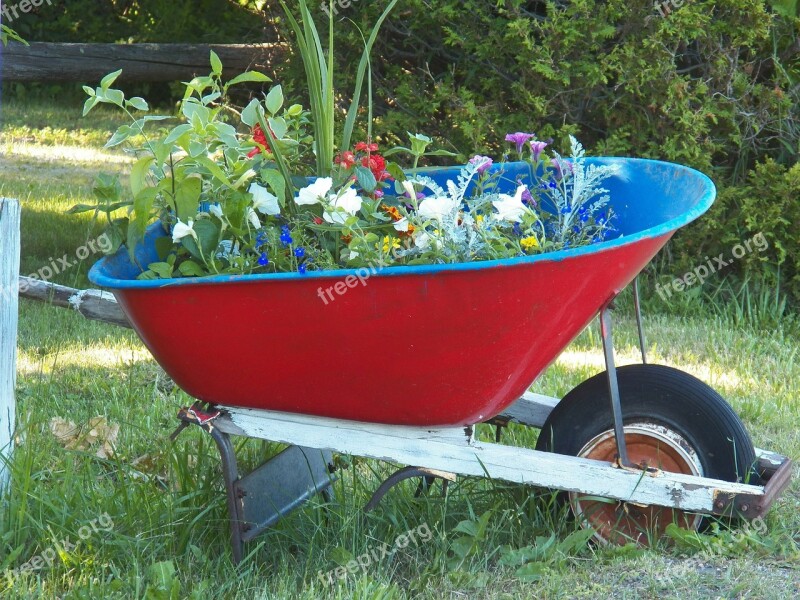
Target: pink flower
520, 139
483, 163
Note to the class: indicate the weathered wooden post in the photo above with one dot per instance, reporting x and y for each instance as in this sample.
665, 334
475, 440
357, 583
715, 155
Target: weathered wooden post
9, 275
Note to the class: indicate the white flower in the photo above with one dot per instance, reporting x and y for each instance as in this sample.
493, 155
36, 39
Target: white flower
263, 201
342, 207
423, 241
316, 192
181, 230
436, 207
215, 210
402, 225
409, 188
252, 216
510, 208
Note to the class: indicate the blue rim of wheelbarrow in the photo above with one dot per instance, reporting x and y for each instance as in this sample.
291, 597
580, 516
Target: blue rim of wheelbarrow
98, 276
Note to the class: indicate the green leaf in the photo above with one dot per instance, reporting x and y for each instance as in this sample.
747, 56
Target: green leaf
441, 153
143, 207
89, 90
90, 104
162, 269
275, 181
164, 247
251, 112
366, 179
187, 198
120, 135
107, 188
208, 232
216, 63
189, 268
139, 174
295, 110
138, 103
278, 126
249, 77
214, 169
115, 97
176, 133
109, 79
274, 100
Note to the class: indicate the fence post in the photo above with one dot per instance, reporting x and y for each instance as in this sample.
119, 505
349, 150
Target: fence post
9, 304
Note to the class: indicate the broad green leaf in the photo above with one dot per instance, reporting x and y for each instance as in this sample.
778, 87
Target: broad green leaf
120, 135
138, 103
278, 126
109, 79
176, 133
249, 77
366, 179
251, 112
294, 110
187, 198
82, 208
274, 101
189, 268
214, 169
143, 207
216, 63
90, 104
89, 90
275, 181
204, 249
162, 269
115, 97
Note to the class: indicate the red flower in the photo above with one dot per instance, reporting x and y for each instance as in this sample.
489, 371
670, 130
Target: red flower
346, 160
259, 137
365, 147
377, 164
318, 221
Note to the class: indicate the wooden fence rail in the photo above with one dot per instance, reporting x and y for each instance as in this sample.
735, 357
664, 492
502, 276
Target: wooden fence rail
9, 313
92, 304
139, 62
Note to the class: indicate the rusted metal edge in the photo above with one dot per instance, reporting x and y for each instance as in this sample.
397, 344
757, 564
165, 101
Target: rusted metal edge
752, 506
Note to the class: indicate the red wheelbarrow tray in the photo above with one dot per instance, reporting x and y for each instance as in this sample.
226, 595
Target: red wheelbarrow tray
430, 345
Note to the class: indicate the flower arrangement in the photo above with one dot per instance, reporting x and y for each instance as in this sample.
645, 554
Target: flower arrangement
263, 189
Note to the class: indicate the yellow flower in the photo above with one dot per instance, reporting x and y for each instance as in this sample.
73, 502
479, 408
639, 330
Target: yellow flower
390, 243
479, 219
529, 243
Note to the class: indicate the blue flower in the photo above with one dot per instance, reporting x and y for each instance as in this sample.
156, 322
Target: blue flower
286, 236
517, 229
301, 269
300, 252
263, 260
576, 229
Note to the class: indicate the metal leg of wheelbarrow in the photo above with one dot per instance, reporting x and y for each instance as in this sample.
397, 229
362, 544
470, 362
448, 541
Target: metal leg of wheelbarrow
637, 305
613, 386
257, 500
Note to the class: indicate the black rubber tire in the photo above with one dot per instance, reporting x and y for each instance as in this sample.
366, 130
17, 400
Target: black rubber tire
661, 395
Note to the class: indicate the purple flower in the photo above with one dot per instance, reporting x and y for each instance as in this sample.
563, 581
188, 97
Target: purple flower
483, 163
561, 167
520, 139
527, 197
537, 148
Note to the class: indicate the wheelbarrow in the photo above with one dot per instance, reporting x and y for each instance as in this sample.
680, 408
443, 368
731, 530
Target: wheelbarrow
401, 364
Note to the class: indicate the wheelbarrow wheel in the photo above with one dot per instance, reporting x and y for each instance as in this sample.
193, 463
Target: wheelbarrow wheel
673, 421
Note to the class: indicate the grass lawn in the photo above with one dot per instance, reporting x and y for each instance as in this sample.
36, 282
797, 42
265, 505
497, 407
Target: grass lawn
148, 520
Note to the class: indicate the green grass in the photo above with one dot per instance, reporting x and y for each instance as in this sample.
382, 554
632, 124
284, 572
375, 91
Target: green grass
165, 499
